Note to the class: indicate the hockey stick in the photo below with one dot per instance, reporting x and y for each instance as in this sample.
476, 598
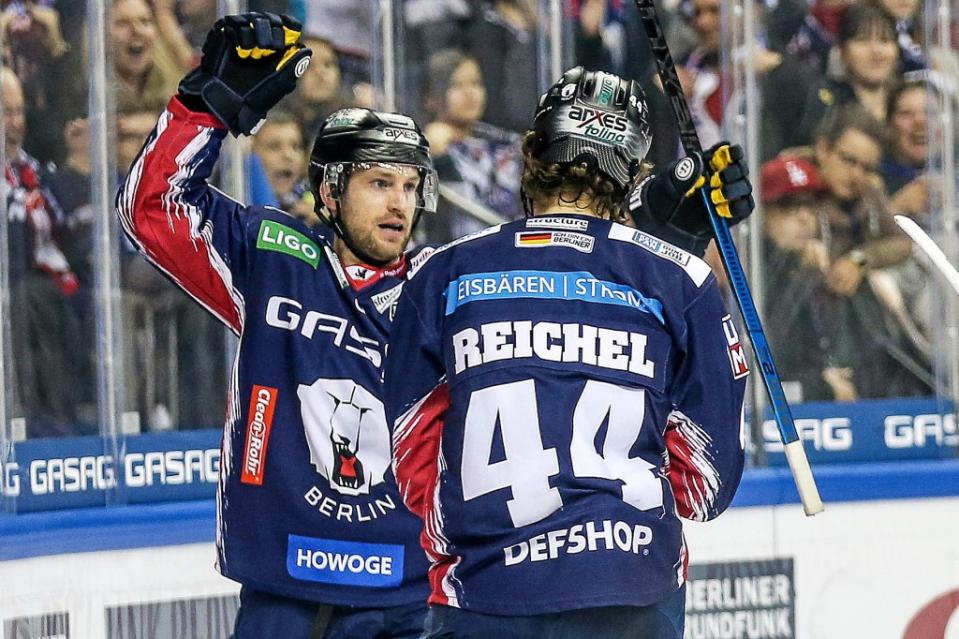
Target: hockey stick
795, 454
929, 247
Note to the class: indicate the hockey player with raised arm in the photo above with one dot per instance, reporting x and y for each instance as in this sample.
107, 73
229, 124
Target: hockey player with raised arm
309, 520
562, 388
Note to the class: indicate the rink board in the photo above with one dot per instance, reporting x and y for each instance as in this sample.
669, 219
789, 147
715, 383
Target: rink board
882, 559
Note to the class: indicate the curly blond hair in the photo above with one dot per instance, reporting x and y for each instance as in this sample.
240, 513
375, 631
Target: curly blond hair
579, 184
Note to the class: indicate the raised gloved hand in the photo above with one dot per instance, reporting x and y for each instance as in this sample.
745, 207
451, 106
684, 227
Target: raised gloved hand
668, 205
250, 61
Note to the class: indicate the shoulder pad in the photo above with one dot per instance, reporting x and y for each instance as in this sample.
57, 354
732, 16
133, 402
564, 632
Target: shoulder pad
697, 269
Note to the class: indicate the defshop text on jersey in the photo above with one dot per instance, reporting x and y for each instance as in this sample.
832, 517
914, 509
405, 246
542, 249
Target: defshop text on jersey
546, 367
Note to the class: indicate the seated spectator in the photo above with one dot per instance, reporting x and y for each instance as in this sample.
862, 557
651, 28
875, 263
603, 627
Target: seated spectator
867, 48
809, 352
43, 320
904, 164
320, 91
281, 157
477, 159
863, 241
52, 78
146, 72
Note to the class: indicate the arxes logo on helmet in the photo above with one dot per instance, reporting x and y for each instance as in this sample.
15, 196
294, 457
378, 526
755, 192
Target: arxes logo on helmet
586, 116
274, 236
598, 124
401, 135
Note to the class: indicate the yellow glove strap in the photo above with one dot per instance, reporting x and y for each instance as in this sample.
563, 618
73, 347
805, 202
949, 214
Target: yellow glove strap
290, 38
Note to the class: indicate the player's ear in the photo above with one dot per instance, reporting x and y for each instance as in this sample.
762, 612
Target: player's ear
326, 196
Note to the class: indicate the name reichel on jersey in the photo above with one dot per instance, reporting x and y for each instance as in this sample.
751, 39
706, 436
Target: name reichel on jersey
306, 504
562, 390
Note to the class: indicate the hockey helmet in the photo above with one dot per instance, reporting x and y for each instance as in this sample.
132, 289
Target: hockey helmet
355, 138
595, 117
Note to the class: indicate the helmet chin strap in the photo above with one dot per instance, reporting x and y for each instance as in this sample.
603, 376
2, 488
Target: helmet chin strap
335, 222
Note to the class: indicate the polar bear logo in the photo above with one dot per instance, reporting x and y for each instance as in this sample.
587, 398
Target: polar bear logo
346, 432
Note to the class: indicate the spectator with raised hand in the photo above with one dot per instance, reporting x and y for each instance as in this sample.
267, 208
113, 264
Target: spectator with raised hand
482, 161
502, 39
146, 73
42, 284
194, 16
814, 39
51, 78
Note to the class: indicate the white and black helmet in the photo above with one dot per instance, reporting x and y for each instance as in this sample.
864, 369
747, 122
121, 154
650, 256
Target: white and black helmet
595, 117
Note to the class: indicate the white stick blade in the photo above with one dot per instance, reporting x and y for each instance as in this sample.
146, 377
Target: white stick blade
929, 247
802, 474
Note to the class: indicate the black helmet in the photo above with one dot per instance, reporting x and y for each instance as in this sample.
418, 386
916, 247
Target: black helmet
356, 138
595, 116
361, 136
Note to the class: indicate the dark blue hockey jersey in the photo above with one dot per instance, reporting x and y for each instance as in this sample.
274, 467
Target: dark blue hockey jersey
307, 506
562, 390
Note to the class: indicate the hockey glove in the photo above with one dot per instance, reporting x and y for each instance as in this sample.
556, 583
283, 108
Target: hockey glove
668, 204
250, 61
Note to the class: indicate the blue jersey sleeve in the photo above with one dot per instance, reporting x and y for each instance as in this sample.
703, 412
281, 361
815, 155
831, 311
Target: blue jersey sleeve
193, 233
704, 436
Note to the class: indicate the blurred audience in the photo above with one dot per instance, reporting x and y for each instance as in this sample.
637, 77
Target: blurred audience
279, 164
50, 71
863, 241
481, 161
811, 354
869, 56
904, 164
146, 71
905, 16
502, 40
42, 286
816, 35
699, 72
320, 91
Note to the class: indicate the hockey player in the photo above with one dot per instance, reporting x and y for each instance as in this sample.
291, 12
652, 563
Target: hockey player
309, 520
575, 389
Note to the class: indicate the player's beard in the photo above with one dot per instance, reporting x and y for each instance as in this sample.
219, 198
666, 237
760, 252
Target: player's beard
368, 249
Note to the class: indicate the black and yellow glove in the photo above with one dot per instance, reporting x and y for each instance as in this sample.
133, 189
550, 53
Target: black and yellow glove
250, 61
668, 205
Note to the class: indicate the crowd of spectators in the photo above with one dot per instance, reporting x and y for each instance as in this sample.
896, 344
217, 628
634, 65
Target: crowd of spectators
847, 88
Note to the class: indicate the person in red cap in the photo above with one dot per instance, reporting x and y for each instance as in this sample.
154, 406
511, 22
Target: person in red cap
801, 317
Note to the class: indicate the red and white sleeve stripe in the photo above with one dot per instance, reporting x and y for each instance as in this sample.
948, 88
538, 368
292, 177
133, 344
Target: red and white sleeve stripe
417, 464
690, 470
168, 210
